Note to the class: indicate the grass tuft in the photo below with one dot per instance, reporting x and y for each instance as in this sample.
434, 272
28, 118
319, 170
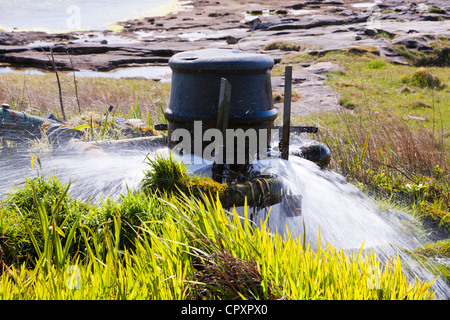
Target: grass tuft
287, 46
423, 78
169, 175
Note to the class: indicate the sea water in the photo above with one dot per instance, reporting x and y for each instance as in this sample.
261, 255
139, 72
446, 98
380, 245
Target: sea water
72, 15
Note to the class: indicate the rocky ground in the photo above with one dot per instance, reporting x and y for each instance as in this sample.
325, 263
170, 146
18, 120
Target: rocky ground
322, 25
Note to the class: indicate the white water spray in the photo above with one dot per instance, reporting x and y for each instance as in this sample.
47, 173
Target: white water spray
348, 219
345, 216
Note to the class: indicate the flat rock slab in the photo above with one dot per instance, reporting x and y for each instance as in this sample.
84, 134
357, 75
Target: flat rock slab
326, 24
308, 83
321, 25
92, 56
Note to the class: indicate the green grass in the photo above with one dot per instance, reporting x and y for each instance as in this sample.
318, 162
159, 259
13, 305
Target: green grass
439, 57
372, 84
423, 78
434, 9
435, 251
376, 90
184, 248
377, 64
288, 46
384, 34
159, 245
168, 175
441, 249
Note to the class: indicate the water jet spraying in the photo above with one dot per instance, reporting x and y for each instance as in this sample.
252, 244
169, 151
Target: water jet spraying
312, 197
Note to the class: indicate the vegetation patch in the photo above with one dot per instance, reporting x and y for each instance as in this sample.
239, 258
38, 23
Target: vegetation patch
22, 211
384, 34
423, 78
294, 58
361, 49
185, 248
418, 104
435, 9
377, 64
376, 147
346, 103
440, 249
287, 46
438, 57
170, 176
223, 276
278, 97
434, 255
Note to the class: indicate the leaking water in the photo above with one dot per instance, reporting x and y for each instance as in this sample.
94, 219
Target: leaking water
92, 177
346, 218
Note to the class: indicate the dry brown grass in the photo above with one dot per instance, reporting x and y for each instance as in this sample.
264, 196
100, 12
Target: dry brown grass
391, 144
223, 276
38, 94
390, 159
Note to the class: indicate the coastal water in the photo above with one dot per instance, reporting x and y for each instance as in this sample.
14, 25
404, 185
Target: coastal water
72, 15
159, 73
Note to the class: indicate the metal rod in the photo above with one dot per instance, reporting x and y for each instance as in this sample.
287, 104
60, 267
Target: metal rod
222, 125
286, 112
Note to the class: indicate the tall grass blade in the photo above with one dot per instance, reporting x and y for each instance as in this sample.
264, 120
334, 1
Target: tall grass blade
81, 127
364, 150
105, 126
393, 152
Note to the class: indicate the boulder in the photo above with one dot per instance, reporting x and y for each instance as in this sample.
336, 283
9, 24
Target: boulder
370, 32
232, 40
415, 42
412, 42
347, 13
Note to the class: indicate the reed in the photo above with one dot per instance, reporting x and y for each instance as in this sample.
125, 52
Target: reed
38, 95
374, 141
180, 247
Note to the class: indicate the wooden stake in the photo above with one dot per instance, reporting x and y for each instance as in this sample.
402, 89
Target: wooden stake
74, 82
286, 113
52, 61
